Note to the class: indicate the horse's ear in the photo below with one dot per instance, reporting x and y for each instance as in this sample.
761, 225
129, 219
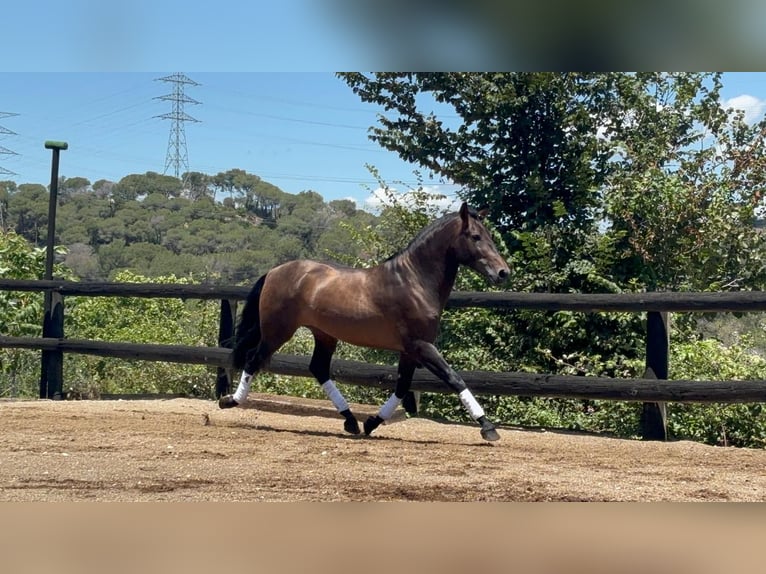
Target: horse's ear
464, 214
483, 212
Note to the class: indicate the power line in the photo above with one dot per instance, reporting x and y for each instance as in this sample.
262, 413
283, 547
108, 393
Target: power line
289, 119
177, 155
5, 150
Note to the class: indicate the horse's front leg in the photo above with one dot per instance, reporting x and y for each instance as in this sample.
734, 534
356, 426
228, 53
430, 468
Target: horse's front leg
403, 380
430, 358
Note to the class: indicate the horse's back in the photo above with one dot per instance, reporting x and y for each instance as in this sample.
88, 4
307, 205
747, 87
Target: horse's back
343, 302
306, 275
308, 283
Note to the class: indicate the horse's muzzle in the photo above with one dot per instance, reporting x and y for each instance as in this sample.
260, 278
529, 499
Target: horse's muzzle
495, 274
498, 276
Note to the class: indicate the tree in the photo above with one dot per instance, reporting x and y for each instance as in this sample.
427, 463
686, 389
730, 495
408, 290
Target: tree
341, 240
685, 187
6, 189
144, 230
265, 200
78, 220
103, 188
112, 258
652, 157
83, 262
343, 207
198, 185
71, 186
250, 192
135, 186
304, 219
526, 145
236, 182
28, 212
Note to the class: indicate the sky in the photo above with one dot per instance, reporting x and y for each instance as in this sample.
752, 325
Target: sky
297, 130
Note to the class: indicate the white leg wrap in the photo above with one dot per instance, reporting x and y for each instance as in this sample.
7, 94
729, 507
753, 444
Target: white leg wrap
388, 408
470, 404
240, 395
334, 395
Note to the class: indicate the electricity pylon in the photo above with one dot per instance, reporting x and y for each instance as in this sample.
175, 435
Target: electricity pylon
177, 156
5, 150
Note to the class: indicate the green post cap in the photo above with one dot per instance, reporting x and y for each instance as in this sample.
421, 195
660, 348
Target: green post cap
56, 145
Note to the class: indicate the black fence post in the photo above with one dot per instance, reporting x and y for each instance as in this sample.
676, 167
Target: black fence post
52, 363
52, 368
653, 415
226, 340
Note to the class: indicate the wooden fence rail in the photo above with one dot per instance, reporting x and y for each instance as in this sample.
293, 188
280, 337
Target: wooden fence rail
384, 377
653, 390
618, 302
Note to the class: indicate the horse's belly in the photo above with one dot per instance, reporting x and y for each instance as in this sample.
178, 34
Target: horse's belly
372, 337
377, 334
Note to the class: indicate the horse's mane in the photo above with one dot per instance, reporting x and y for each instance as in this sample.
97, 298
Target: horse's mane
429, 230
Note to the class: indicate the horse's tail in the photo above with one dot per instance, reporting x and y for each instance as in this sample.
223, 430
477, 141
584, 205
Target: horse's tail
248, 332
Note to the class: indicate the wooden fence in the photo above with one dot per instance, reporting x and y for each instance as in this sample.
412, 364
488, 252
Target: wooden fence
652, 390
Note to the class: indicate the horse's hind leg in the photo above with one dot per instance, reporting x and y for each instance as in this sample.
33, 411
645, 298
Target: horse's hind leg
273, 335
256, 360
324, 347
403, 381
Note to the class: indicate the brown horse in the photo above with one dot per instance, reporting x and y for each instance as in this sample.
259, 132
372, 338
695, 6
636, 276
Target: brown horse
396, 305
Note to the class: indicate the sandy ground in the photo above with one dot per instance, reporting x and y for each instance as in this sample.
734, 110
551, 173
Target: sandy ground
281, 449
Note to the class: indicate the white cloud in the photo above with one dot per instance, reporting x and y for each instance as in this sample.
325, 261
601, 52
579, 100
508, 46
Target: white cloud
752, 106
375, 200
446, 199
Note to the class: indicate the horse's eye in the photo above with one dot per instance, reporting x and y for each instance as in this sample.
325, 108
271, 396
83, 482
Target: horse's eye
476, 237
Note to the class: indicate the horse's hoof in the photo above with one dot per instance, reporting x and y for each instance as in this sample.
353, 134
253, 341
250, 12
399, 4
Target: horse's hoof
371, 424
227, 402
351, 425
490, 434
488, 431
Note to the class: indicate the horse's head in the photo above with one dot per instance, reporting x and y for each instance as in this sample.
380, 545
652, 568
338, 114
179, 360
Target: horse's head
474, 247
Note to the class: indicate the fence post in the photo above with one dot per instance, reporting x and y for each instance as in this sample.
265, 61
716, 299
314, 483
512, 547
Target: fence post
225, 339
52, 362
653, 415
52, 368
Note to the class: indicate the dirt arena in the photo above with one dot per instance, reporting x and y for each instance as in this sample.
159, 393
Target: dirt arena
281, 449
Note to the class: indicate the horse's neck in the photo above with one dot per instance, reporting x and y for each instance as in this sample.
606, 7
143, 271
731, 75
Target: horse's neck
434, 271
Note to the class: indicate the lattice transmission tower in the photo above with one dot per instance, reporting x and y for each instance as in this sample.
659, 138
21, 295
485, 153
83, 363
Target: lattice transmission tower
177, 156
5, 150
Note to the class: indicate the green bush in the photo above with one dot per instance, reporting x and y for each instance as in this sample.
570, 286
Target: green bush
21, 313
719, 424
139, 320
